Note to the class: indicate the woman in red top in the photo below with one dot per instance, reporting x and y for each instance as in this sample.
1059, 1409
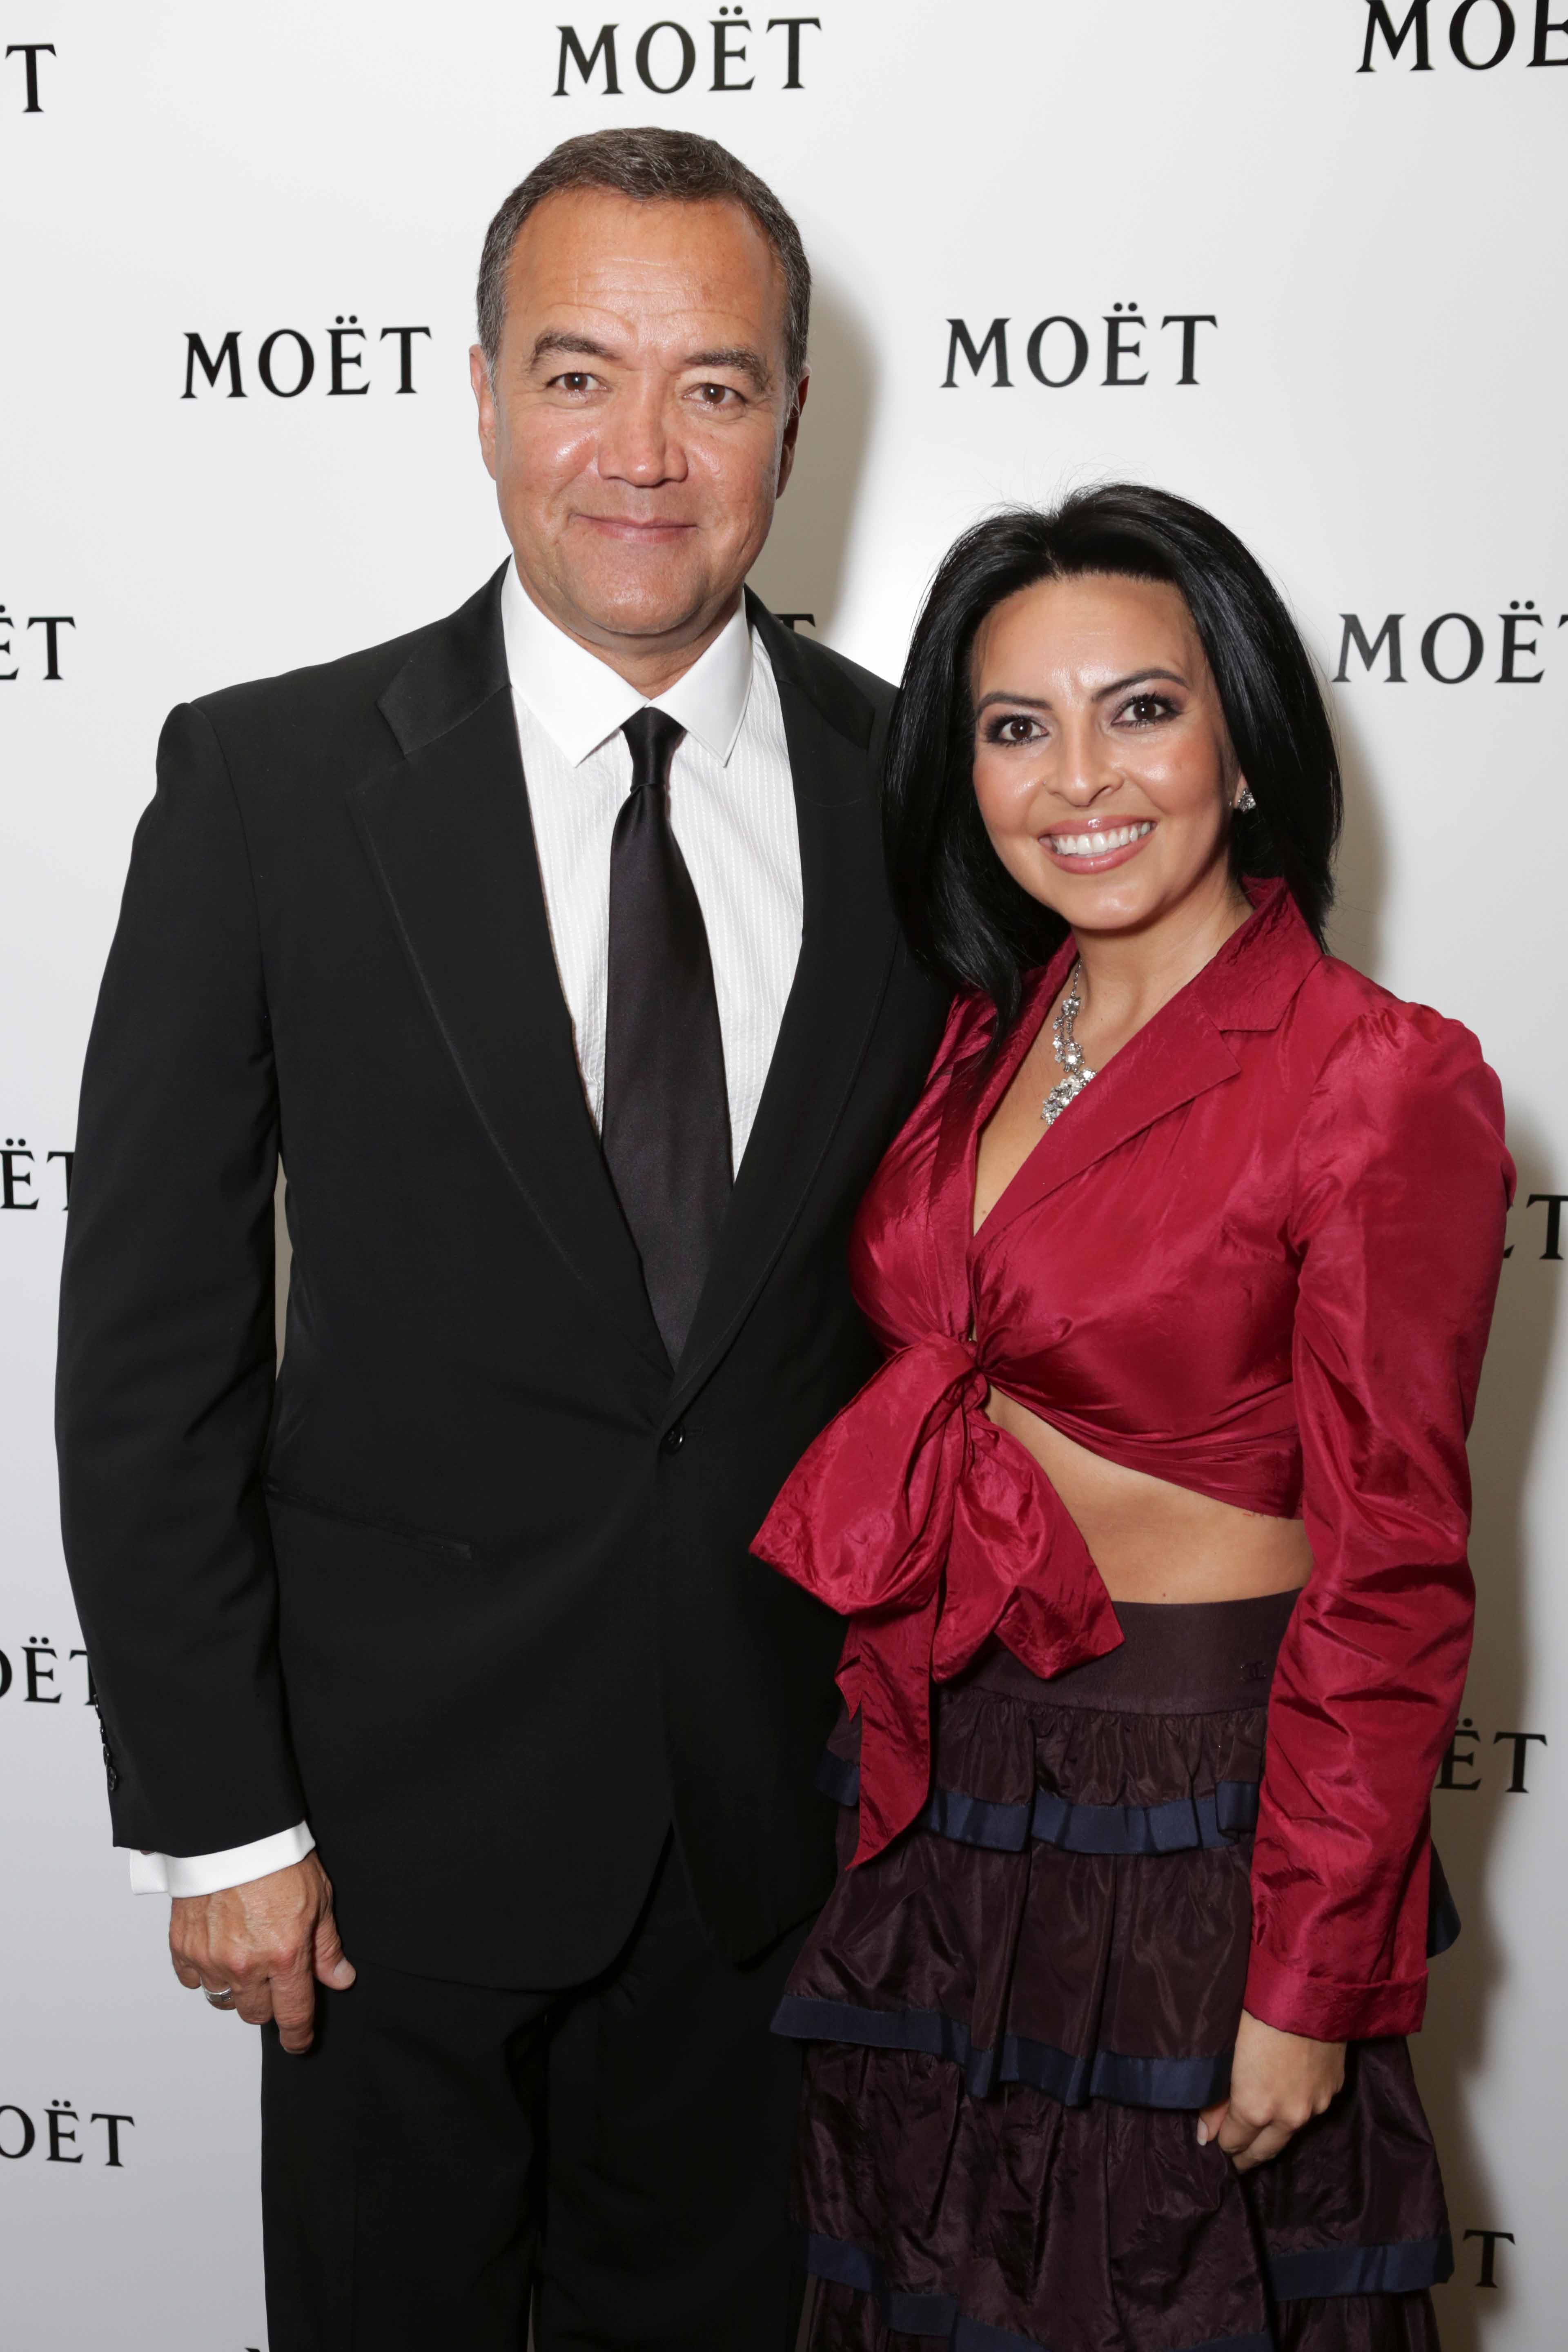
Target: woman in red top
1152, 1531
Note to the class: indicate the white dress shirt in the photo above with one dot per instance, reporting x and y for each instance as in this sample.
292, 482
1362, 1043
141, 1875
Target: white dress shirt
732, 809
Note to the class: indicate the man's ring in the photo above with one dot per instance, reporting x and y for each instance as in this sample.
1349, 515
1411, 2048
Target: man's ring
218, 1998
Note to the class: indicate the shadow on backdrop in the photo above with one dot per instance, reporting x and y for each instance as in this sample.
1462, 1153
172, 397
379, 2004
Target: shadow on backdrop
802, 568
1361, 872
1469, 1821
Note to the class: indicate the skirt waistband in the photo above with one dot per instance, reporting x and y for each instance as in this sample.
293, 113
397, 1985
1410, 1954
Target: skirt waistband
1184, 1657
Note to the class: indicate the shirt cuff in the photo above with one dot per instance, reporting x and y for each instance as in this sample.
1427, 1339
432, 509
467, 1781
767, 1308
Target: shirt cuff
209, 1873
1326, 2009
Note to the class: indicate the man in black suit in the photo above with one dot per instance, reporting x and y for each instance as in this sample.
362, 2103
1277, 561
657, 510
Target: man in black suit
550, 947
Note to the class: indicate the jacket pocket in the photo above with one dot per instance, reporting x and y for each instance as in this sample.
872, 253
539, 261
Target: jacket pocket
421, 1539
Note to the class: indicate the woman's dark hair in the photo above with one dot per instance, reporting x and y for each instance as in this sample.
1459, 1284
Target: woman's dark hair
965, 916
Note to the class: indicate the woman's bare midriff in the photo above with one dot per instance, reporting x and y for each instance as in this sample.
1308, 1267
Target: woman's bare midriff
1155, 1541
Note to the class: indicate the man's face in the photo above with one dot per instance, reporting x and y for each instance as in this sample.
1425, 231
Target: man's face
640, 425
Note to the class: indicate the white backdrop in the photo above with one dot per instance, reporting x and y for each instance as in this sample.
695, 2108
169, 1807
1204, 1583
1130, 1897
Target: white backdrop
1376, 408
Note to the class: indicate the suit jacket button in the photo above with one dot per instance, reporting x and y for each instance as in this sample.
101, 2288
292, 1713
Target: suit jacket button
673, 1439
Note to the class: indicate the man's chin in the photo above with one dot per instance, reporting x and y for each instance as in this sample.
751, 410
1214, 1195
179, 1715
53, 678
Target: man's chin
640, 607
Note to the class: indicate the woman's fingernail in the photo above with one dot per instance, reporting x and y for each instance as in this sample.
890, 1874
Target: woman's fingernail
1203, 2132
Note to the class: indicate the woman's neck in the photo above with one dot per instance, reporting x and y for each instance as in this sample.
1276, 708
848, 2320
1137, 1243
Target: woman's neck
1129, 975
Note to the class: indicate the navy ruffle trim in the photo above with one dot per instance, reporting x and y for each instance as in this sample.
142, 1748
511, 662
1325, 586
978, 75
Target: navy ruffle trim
1220, 1818
1403, 2268
842, 2264
1065, 2076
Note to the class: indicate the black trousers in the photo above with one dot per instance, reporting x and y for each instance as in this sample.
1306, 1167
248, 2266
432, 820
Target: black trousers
611, 2159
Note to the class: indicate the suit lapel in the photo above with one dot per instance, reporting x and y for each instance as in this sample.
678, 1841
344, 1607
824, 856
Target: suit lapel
847, 942
450, 839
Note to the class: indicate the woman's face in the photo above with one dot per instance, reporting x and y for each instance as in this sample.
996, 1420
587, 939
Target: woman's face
1102, 765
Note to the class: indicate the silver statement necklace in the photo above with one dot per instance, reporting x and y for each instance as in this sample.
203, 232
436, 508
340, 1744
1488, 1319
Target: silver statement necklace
1069, 1053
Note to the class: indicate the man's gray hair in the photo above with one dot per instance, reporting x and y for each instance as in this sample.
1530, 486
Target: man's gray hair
653, 166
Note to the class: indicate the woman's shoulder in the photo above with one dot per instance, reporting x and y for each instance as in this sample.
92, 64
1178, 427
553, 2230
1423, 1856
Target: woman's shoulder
1387, 1080
1357, 1032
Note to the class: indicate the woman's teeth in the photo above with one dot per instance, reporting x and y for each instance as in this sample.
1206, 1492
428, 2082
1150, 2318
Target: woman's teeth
1099, 845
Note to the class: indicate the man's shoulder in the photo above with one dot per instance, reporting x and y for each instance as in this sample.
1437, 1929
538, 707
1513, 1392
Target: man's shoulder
877, 690
335, 685
853, 700
342, 695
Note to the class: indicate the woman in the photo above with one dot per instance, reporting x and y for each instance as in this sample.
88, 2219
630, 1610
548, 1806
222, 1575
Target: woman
1152, 1532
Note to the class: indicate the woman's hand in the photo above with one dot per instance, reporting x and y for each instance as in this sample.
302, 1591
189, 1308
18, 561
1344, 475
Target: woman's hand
1277, 2083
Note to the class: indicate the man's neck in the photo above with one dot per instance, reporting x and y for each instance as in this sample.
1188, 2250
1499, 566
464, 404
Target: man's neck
651, 664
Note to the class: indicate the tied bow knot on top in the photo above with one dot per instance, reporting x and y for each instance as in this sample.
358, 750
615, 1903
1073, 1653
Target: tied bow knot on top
932, 1530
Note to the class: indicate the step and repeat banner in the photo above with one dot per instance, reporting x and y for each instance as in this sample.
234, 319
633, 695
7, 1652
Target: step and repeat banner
1300, 262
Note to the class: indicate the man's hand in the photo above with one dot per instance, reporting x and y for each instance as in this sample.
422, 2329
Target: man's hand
1277, 2083
268, 1943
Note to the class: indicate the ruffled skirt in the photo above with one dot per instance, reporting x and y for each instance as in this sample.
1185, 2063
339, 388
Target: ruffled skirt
1015, 2010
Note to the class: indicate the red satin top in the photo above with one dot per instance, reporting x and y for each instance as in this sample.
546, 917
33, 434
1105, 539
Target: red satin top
1257, 1258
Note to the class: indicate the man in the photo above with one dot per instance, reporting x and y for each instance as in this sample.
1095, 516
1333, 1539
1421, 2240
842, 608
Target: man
551, 947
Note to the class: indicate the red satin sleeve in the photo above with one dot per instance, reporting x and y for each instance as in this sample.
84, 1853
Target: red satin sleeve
1403, 1185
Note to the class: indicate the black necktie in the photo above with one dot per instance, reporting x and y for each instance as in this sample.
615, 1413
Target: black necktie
666, 1114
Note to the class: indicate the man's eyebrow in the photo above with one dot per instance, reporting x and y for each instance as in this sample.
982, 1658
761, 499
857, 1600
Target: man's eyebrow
739, 356
575, 346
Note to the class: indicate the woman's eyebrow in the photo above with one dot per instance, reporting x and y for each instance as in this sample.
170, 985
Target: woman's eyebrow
1137, 678
1117, 686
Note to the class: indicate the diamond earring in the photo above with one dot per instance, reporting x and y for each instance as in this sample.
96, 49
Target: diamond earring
1244, 800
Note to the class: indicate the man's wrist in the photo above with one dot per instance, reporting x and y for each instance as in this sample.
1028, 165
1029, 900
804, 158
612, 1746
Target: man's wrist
210, 1873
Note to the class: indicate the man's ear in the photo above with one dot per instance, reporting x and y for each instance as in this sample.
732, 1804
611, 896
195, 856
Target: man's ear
485, 400
791, 431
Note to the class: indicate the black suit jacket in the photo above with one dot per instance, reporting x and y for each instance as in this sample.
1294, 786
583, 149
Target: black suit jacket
468, 1585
